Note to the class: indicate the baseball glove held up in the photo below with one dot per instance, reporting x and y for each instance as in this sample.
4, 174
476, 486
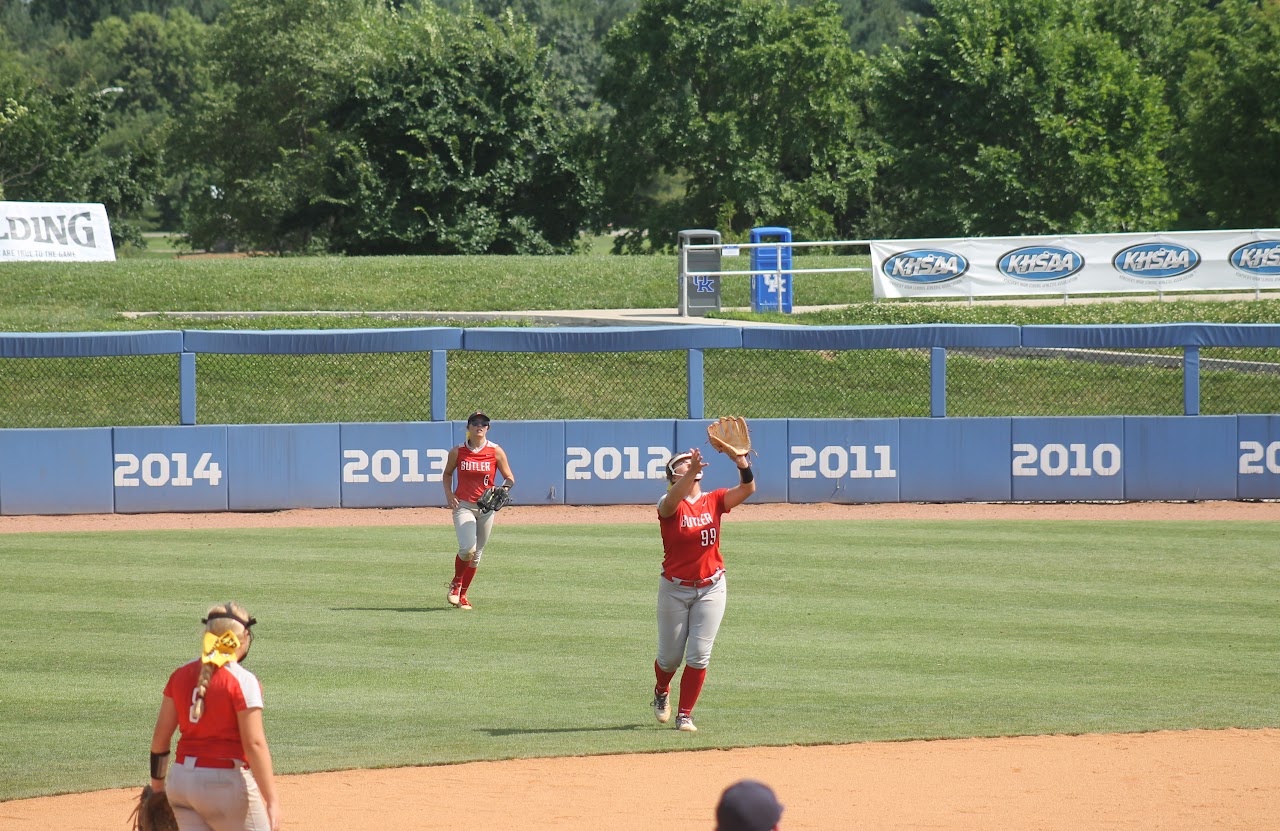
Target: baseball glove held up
729, 435
153, 813
494, 499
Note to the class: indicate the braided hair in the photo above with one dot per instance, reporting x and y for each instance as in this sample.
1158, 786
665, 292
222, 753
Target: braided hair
223, 618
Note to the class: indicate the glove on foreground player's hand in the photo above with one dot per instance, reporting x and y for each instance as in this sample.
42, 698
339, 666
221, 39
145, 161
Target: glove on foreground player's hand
152, 813
494, 499
730, 436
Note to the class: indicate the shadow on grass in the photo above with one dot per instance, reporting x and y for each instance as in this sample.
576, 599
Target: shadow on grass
499, 732
409, 609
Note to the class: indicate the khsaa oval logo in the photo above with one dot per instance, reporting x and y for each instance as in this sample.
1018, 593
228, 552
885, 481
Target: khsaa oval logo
1156, 260
1261, 258
925, 266
1040, 263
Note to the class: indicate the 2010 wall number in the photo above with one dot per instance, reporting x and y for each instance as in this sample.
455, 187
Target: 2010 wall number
1066, 460
615, 463
157, 470
393, 466
835, 462
1256, 457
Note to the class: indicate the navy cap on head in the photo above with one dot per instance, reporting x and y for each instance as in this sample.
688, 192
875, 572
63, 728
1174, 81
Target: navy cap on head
747, 806
477, 418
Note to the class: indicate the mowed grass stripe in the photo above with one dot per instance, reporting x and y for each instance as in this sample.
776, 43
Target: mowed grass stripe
836, 632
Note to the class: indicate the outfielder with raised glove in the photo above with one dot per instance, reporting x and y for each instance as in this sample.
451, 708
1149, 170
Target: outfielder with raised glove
220, 775
474, 501
693, 589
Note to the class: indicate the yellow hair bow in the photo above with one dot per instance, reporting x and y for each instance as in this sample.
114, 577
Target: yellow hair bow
219, 649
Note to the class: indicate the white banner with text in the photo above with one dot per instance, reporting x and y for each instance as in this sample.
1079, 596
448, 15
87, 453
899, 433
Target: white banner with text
61, 231
1084, 264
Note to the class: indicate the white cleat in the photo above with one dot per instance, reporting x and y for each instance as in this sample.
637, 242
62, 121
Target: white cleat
685, 724
662, 706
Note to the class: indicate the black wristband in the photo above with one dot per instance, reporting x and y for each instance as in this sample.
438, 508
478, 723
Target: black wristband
745, 474
159, 765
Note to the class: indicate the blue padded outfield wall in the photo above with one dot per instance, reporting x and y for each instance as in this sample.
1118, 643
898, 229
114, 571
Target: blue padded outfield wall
193, 467
269, 467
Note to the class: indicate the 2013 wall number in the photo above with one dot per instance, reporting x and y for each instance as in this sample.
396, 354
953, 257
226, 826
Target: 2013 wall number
393, 466
1256, 457
158, 470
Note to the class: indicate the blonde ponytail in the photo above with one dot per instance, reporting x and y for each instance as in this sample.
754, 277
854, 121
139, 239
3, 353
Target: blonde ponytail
227, 618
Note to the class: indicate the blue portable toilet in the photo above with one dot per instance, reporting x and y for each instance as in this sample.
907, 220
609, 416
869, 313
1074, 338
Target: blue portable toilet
771, 292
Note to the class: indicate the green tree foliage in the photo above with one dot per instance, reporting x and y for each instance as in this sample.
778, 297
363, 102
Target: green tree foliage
48, 152
573, 31
79, 16
873, 24
1017, 117
456, 143
351, 126
748, 105
1230, 138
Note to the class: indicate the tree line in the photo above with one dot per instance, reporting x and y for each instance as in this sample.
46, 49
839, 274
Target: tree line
511, 126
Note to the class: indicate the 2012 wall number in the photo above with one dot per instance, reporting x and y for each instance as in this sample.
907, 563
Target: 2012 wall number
616, 462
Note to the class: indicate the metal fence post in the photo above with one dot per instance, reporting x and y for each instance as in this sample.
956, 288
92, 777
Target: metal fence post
937, 382
187, 388
697, 379
1191, 380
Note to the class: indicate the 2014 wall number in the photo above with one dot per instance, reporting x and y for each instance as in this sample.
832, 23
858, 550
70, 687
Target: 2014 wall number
158, 470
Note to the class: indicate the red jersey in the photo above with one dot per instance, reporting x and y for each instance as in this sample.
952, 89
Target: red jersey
691, 537
232, 688
476, 469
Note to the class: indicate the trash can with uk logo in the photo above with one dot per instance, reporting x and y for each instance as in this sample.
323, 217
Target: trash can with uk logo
699, 291
771, 270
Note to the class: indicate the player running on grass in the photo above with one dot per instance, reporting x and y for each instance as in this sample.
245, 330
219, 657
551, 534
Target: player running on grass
477, 461
692, 590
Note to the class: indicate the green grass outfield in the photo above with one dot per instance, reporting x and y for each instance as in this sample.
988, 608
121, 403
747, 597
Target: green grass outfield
836, 632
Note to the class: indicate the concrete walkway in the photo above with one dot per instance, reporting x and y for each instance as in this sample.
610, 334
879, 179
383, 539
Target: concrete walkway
671, 317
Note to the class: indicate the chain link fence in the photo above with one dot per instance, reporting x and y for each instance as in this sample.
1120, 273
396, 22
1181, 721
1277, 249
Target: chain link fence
756, 383
137, 390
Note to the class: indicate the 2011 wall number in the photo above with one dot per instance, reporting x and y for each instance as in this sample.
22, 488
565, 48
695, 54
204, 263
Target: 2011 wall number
157, 470
1066, 460
1256, 457
835, 462
392, 466
615, 463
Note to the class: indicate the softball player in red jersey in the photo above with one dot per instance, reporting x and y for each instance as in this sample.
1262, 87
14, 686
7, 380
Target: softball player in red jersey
692, 589
221, 777
476, 461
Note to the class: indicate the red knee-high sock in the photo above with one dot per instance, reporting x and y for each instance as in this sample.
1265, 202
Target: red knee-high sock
468, 575
690, 688
664, 678
458, 565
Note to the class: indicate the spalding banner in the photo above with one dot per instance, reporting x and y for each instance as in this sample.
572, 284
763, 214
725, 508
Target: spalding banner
65, 232
1085, 264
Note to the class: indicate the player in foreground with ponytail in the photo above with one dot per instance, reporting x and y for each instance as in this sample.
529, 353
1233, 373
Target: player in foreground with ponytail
692, 589
220, 778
